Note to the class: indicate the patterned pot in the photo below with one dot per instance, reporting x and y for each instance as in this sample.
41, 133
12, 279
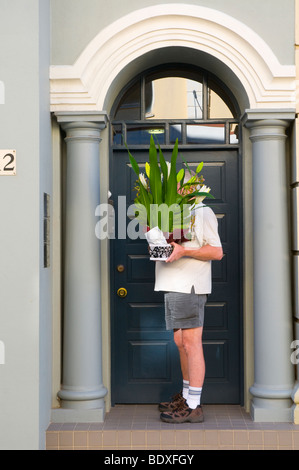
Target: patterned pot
160, 252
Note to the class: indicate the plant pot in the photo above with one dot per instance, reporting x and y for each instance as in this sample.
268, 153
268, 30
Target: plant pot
160, 252
178, 236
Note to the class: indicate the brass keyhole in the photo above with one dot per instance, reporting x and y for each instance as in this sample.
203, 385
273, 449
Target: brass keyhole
122, 292
120, 268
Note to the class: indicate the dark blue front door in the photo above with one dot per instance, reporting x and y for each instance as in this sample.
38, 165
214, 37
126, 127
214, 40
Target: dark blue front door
145, 363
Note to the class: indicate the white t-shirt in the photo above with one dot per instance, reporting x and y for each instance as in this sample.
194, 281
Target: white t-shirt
181, 275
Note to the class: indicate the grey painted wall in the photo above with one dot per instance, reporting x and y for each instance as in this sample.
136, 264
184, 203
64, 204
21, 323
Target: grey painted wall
76, 22
25, 285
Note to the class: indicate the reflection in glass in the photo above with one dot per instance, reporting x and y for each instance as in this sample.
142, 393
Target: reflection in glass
130, 104
140, 134
234, 134
219, 103
194, 97
173, 98
205, 133
117, 134
189, 105
175, 132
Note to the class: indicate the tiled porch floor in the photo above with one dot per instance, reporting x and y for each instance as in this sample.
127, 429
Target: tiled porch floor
138, 427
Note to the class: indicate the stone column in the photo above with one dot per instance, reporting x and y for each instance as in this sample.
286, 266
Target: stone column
82, 392
273, 369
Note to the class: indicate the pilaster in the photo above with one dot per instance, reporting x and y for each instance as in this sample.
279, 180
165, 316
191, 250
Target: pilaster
295, 254
273, 369
82, 391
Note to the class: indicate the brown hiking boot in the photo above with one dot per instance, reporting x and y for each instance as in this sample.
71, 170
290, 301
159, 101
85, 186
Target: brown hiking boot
175, 402
183, 414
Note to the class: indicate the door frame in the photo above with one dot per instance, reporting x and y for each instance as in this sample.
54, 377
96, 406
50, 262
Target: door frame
195, 147
241, 284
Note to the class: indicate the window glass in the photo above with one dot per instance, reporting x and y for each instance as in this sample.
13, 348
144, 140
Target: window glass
220, 105
205, 133
175, 132
173, 98
130, 104
117, 134
178, 96
234, 134
141, 134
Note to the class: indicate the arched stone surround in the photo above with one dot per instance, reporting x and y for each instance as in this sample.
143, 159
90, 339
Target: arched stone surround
85, 85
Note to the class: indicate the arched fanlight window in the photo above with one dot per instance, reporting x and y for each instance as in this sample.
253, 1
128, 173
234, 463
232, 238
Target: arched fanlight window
176, 103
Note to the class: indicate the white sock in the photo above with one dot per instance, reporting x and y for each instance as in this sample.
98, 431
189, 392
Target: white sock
194, 397
185, 389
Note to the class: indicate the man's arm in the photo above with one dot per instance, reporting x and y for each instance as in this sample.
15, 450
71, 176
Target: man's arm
205, 253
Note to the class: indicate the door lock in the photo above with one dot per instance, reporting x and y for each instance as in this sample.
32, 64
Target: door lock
122, 292
120, 268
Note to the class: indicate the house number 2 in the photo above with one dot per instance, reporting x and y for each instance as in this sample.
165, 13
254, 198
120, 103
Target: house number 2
7, 162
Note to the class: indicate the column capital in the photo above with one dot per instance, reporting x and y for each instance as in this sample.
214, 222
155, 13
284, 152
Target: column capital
83, 125
266, 116
96, 117
267, 124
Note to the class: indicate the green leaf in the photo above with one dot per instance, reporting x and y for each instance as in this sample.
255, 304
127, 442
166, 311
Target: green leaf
190, 171
199, 168
145, 200
200, 193
155, 174
180, 175
194, 195
170, 196
164, 172
179, 199
133, 161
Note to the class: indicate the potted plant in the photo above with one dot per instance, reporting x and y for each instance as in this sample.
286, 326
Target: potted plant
165, 197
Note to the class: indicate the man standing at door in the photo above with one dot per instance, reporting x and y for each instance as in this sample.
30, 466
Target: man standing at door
187, 280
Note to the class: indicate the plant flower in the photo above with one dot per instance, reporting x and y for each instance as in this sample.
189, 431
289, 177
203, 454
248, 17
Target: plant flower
203, 189
167, 190
143, 180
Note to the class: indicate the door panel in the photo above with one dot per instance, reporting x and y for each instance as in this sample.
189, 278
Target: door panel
145, 361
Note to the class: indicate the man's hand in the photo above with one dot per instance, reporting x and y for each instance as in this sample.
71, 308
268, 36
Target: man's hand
205, 253
178, 252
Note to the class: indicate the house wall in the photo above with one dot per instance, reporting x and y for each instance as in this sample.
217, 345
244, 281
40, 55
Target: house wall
25, 286
70, 17
34, 35
295, 234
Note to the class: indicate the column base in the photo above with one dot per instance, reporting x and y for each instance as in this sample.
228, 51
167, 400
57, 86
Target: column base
80, 407
295, 397
295, 414
274, 411
63, 415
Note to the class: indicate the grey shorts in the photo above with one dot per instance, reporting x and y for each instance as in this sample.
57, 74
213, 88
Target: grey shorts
184, 310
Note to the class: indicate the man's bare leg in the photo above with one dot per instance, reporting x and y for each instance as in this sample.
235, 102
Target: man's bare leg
189, 343
192, 343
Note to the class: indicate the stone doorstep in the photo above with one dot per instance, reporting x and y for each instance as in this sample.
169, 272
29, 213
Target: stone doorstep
221, 439
138, 427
